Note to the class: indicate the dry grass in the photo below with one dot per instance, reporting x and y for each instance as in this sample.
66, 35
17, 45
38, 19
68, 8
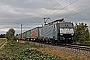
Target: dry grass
2, 38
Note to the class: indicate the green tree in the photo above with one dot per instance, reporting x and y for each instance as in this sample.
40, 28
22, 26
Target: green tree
81, 32
10, 34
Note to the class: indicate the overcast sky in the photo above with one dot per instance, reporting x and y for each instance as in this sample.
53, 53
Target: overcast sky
30, 13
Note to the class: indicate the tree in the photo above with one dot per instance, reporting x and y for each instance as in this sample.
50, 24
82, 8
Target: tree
81, 32
2, 36
10, 34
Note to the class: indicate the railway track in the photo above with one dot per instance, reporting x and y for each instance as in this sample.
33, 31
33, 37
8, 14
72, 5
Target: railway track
79, 47
75, 49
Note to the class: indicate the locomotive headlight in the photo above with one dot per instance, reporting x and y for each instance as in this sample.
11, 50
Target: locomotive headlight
61, 34
72, 34
34, 39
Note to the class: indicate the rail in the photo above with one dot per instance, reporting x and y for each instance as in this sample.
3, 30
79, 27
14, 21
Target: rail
75, 49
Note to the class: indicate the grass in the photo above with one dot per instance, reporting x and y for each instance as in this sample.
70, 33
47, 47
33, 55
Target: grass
24, 51
87, 42
1, 40
28, 50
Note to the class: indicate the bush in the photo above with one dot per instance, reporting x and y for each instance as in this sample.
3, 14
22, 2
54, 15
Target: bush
36, 55
87, 42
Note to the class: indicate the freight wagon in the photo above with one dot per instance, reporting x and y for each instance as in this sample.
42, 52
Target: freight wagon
23, 36
35, 33
19, 36
27, 34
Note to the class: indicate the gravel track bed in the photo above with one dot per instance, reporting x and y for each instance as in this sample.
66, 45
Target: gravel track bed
71, 50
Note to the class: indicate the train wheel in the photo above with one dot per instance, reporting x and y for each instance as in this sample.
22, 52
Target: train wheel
52, 42
56, 42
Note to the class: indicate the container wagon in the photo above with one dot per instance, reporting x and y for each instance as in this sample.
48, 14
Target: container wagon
27, 34
35, 33
57, 32
19, 36
23, 36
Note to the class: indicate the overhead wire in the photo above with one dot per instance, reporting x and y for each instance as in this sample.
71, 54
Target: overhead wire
55, 6
81, 11
29, 17
48, 12
60, 10
78, 9
64, 7
36, 17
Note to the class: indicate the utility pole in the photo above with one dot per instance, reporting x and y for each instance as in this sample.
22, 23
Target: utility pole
21, 31
45, 20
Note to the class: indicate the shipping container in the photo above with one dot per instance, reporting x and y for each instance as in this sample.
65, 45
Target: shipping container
19, 36
23, 36
28, 34
35, 33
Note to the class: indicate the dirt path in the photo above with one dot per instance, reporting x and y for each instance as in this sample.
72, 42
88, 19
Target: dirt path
3, 43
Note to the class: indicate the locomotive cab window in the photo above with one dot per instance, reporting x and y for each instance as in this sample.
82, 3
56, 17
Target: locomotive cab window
66, 25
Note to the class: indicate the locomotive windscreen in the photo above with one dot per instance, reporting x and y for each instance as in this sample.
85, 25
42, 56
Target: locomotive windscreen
66, 25
66, 28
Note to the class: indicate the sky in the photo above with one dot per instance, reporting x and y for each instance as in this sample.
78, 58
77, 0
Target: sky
30, 13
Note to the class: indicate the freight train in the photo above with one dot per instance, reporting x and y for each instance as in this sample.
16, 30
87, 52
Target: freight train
56, 32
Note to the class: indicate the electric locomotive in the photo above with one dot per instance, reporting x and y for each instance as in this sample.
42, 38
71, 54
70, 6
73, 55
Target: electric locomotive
57, 32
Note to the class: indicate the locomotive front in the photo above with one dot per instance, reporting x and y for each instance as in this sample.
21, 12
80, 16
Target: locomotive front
65, 32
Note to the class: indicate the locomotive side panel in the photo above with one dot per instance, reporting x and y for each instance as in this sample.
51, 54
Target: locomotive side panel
47, 32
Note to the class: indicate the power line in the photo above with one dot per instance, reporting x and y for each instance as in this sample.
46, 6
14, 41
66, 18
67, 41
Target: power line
47, 11
78, 9
57, 11
36, 17
61, 8
81, 11
64, 7
25, 26
56, 6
